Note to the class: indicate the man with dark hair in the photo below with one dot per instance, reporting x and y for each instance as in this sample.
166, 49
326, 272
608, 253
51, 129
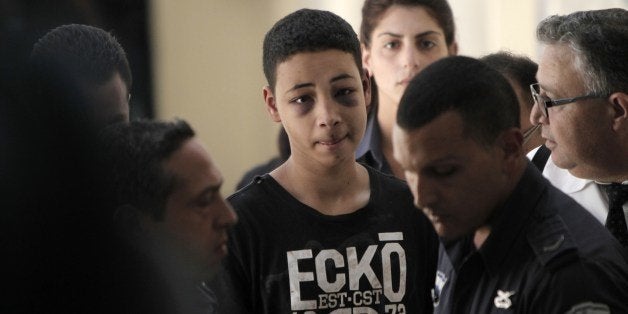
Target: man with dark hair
520, 72
511, 241
91, 61
165, 192
323, 233
582, 106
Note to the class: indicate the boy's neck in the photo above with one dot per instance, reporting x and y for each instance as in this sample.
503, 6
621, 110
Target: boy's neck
339, 190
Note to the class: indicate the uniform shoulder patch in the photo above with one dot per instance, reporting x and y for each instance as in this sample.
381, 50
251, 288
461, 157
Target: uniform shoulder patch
589, 308
550, 239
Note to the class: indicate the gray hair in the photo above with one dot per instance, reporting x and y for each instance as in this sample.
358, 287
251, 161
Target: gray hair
599, 40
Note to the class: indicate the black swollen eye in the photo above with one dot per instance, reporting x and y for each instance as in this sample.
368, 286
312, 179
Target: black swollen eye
300, 100
344, 92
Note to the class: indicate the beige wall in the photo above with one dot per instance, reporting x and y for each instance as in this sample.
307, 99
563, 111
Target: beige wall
207, 61
207, 70
486, 26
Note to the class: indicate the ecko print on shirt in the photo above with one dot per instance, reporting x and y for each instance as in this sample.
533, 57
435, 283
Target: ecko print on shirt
349, 281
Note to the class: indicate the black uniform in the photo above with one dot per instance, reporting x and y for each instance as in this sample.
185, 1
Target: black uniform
286, 257
370, 149
545, 254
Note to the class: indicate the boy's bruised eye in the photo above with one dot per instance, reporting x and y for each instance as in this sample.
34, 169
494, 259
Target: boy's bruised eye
344, 92
300, 100
346, 96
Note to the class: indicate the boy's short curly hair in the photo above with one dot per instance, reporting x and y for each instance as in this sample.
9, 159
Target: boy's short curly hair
307, 30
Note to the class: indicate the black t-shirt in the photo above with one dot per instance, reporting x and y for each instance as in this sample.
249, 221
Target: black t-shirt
286, 257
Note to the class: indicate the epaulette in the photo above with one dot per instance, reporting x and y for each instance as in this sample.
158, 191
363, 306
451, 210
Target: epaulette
551, 241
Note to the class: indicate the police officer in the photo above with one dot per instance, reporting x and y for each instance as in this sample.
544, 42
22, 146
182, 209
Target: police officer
513, 242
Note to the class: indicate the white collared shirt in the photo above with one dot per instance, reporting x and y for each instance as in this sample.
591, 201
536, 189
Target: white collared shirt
585, 192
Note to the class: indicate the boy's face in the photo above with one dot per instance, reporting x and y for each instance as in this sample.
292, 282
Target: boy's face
320, 98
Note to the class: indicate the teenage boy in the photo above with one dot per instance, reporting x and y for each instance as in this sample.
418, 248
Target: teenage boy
520, 72
323, 233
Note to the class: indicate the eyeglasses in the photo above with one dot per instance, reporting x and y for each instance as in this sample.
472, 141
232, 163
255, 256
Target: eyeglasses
544, 102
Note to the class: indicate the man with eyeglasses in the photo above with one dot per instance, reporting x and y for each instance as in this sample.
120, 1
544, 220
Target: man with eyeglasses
581, 102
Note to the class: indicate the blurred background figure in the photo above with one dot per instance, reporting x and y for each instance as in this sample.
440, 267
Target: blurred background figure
22, 23
520, 72
59, 253
56, 248
96, 62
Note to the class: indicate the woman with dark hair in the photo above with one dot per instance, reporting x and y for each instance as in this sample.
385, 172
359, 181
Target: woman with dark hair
399, 39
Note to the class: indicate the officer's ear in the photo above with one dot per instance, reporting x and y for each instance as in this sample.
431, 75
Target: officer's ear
510, 142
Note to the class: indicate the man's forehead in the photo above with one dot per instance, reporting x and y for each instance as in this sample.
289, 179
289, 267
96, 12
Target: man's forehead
557, 68
191, 160
445, 131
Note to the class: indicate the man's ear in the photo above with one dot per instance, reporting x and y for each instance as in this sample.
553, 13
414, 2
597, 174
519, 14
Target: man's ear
511, 144
619, 101
271, 104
